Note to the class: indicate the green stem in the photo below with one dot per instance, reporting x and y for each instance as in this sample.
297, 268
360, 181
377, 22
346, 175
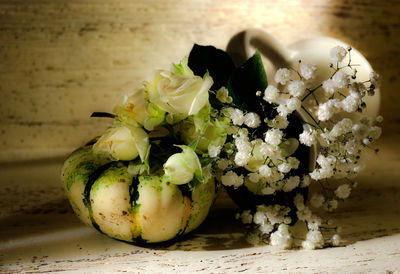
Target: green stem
309, 114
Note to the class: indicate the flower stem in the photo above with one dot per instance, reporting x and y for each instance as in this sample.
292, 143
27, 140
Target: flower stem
312, 117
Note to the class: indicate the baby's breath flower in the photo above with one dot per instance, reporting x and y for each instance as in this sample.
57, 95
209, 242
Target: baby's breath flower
293, 162
223, 164
342, 127
265, 171
307, 137
254, 177
273, 136
296, 88
366, 141
281, 237
379, 119
331, 205
308, 245
282, 76
275, 179
335, 240
232, 130
260, 217
223, 95
352, 146
314, 223
343, 191
316, 238
283, 110
327, 110
375, 132
280, 122
266, 228
360, 131
358, 89
291, 183
214, 151
307, 71
317, 200
271, 94
252, 120
267, 191
237, 116
232, 179
350, 103
299, 201
365, 120
304, 214
337, 54
242, 158
326, 164
246, 217
374, 78
329, 86
340, 79
293, 104
284, 167
305, 181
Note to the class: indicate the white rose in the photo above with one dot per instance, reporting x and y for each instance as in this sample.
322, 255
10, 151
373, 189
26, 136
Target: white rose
181, 168
178, 91
135, 109
123, 143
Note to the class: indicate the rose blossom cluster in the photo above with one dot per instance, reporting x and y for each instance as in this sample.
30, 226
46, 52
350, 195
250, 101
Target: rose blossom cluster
334, 123
175, 105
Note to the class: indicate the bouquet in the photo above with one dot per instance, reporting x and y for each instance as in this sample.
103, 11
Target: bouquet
155, 173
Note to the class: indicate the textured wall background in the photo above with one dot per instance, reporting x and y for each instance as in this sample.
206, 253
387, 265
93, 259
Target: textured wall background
62, 60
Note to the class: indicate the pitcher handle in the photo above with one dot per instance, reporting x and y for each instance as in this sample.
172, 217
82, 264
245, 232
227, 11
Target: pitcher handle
240, 47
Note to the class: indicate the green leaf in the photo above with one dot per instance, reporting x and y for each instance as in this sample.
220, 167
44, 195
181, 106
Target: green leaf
194, 144
245, 81
204, 161
216, 62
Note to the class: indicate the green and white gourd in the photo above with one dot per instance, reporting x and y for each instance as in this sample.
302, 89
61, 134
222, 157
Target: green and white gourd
105, 195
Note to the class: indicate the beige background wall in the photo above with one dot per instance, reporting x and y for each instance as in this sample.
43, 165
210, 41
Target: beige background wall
62, 60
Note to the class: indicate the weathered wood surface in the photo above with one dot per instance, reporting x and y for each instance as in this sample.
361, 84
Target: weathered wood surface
61, 60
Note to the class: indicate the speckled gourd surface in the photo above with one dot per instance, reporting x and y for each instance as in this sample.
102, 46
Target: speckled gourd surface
132, 208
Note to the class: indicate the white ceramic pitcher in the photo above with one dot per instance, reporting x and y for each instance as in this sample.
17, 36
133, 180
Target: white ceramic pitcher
313, 50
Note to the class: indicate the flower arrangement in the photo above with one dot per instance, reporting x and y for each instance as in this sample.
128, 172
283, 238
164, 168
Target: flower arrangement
150, 176
332, 121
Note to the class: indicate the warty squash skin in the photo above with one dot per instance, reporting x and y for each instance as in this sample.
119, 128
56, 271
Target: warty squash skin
132, 208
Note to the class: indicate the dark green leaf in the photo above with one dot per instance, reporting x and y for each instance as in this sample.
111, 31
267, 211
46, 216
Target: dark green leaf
245, 81
205, 161
217, 62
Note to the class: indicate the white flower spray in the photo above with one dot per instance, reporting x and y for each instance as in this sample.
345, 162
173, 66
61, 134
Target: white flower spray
335, 124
